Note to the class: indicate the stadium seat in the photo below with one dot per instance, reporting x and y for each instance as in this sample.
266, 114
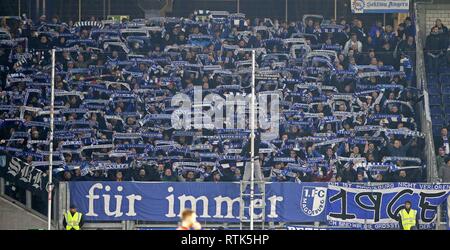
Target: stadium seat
435, 100
436, 128
437, 116
443, 69
445, 99
434, 85
446, 108
432, 79
434, 90
436, 110
437, 122
446, 90
444, 78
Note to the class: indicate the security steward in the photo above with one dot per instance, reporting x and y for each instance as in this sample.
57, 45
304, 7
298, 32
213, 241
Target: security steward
73, 220
408, 218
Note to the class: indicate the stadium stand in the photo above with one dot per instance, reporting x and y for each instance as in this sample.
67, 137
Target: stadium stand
438, 80
347, 106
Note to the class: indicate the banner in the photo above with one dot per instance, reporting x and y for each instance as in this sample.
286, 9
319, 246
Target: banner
350, 206
309, 228
448, 213
377, 207
294, 227
23, 174
156, 201
380, 6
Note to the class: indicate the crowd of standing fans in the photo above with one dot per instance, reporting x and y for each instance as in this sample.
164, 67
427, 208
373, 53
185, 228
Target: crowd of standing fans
347, 108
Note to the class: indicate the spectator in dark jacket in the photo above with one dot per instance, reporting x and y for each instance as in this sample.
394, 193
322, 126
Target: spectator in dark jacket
402, 177
435, 46
309, 27
397, 149
410, 29
434, 43
168, 175
141, 176
407, 47
348, 174
77, 175
443, 30
358, 29
387, 55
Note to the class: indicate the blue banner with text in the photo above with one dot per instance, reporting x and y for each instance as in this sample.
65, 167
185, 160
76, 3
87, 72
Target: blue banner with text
341, 205
378, 206
159, 201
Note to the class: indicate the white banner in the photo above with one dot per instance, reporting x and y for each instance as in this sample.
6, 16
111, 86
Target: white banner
380, 6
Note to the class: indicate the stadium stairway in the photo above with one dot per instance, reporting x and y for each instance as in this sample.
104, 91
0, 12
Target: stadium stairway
15, 216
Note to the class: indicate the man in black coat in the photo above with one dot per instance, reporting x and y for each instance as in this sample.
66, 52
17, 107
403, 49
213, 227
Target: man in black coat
443, 31
435, 46
387, 55
348, 174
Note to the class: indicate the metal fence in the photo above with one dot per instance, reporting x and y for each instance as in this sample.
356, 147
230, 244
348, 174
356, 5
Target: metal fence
420, 9
425, 117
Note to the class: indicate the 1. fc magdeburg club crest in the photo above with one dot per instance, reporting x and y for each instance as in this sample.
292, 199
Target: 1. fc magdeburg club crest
313, 200
358, 6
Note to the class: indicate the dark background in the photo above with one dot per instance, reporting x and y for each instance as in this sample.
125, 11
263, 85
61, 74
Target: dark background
68, 9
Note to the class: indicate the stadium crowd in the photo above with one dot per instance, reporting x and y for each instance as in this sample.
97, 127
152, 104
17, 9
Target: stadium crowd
347, 106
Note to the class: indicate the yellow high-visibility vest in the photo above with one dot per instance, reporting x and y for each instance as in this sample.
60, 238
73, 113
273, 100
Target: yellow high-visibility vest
408, 219
73, 221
